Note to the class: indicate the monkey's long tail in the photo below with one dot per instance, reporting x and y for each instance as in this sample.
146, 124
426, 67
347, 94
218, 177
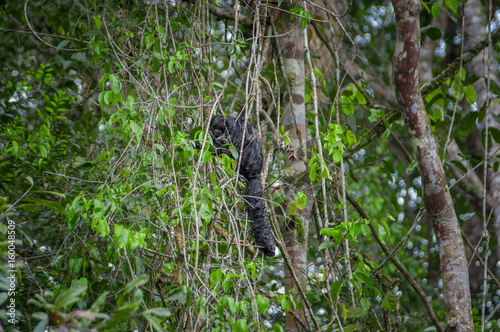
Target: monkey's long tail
256, 209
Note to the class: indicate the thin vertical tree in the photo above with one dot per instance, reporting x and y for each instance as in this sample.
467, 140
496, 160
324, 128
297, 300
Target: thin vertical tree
437, 198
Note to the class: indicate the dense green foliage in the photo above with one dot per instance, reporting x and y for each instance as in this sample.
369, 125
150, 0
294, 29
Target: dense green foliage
125, 219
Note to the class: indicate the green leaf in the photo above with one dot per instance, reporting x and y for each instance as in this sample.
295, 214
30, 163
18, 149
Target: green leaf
301, 200
103, 227
470, 94
262, 304
130, 102
216, 276
469, 121
312, 173
15, 149
389, 302
350, 137
75, 264
28, 207
459, 165
285, 305
137, 282
278, 328
162, 312
494, 88
467, 216
62, 44
156, 323
364, 278
351, 328
433, 33
49, 204
99, 302
336, 234
115, 84
121, 235
382, 235
435, 10
335, 289
53, 193
41, 326
355, 313
326, 244
365, 229
205, 212
43, 151
231, 304
453, 5
135, 127
495, 133
240, 326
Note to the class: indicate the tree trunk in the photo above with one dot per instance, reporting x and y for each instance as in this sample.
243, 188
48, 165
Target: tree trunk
296, 226
437, 198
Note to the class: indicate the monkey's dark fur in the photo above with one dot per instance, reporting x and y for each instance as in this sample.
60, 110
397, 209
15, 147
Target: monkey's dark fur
227, 132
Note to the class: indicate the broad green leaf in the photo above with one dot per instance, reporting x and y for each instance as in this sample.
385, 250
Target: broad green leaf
453, 5
62, 44
435, 10
240, 326
262, 304
137, 282
326, 244
115, 84
285, 305
470, 94
75, 264
494, 88
312, 173
335, 289
355, 312
155, 322
121, 235
99, 303
434, 33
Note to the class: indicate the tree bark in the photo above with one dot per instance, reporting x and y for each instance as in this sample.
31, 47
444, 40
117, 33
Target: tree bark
437, 198
296, 226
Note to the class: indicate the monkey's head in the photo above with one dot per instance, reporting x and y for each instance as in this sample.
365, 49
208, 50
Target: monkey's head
220, 129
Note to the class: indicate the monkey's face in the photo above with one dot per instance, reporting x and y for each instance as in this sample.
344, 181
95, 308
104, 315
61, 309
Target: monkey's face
220, 130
